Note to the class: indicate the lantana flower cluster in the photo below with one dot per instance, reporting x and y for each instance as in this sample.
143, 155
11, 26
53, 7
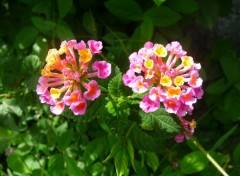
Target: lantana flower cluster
66, 78
167, 76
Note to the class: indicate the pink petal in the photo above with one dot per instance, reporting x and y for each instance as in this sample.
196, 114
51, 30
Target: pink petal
147, 105
103, 68
93, 91
95, 46
79, 108
58, 108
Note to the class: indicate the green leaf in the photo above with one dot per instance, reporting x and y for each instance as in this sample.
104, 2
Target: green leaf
12, 106
162, 16
65, 139
152, 160
232, 104
115, 86
72, 168
218, 87
56, 165
64, 32
146, 29
208, 13
121, 161
94, 149
25, 37
224, 137
125, 9
89, 24
159, 2
158, 120
16, 163
230, 65
131, 153
42, 24
31, 64
40, 48
236, 154
183, 6
64, 6
193, 162
97, 168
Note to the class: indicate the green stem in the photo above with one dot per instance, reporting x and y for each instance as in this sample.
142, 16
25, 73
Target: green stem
207, 155
130, 129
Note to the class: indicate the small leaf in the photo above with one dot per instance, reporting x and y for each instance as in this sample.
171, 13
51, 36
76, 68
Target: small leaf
162, 16
183, 6
56, 165
115, 86
159, 2
232, 104
42, 24
131, 153
64, 6
125, 9
72, 168
31, 64
12, 106
218, 86
16, 163
25, 37
64, 32
193, 162
230, 65
89, 23
146, 29
152, 160
65, 139
236, 154
158, 120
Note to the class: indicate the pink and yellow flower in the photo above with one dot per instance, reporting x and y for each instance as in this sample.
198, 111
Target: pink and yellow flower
170, 76
65, 79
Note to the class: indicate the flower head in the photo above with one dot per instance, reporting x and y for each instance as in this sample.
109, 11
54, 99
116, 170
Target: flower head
170, 76
66, 80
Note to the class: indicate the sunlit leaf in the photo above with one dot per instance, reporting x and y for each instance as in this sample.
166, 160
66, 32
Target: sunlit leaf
25, 37
159, 120
193, 162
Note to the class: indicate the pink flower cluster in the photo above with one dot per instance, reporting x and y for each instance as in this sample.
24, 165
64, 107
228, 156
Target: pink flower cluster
167, 76
66, 80
170, 76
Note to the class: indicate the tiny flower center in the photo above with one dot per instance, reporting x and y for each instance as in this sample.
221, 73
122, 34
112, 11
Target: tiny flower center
55, 93
148, 63
166, 81
160, 51
187, 61
179, 80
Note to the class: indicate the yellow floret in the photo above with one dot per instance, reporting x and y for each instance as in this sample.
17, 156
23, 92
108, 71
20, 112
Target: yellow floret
179, 80
166, 81
160, 51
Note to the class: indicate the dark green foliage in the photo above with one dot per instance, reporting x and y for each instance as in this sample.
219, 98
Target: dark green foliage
115, 137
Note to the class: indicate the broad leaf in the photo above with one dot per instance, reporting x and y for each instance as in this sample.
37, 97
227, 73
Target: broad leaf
183, 6
159, 2
25, 37
152, 160
64, 6
16, 163
159, 120
236, 154
193, 162
42, 24
31, 64
146, 29
65, 139
56, 165
89, 24
162, 16
72, 168
218, 86
64, 32
131, 153
121, 160
125, 9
